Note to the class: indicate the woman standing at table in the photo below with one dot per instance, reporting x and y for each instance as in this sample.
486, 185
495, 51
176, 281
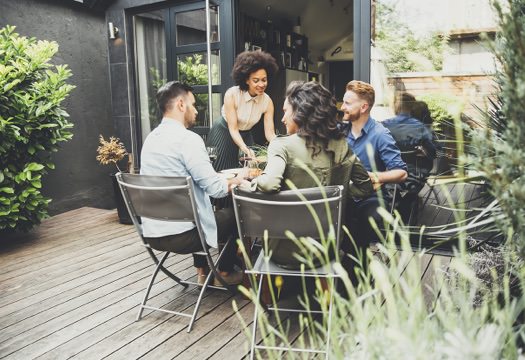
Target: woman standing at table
244, 104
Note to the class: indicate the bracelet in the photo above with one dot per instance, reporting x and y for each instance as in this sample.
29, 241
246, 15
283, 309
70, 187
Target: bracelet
374, 178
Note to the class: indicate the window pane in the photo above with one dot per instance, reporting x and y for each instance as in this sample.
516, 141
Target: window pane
150, 57
191, 26
201, 103
192, 68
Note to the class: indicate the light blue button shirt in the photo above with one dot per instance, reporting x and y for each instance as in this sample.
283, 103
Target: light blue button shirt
173, 150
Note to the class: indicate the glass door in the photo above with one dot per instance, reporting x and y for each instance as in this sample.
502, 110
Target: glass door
171, 44
188, 60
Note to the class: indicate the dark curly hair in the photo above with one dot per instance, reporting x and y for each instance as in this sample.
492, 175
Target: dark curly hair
315, 113
249, 62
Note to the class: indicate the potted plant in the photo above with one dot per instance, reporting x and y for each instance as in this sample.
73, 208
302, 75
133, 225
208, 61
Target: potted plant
113, 151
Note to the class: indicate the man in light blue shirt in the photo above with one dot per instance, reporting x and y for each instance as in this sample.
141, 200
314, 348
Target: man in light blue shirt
173, 150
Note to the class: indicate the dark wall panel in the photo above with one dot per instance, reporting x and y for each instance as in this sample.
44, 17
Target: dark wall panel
78, 179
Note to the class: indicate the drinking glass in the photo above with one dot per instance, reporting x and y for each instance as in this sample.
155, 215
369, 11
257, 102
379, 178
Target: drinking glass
244, 158
212, 153
252, 169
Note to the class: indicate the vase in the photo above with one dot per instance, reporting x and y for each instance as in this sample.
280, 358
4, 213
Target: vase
122, 210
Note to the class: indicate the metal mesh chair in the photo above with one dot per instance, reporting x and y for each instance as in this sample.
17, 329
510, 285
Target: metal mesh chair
313, 213
166, 198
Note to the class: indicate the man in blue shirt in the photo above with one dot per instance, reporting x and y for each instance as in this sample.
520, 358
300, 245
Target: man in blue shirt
172, 150
378, 153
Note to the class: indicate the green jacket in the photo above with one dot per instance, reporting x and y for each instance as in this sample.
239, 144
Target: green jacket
286, 159
286, 154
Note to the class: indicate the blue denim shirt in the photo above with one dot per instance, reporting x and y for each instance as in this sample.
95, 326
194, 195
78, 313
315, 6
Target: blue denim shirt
173, 150
409, 132
376, 140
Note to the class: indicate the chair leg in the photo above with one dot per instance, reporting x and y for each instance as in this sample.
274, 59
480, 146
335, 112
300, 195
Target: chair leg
198, 303
256, 311
148, 289
164, 270
215, 272
330, 309
412, 217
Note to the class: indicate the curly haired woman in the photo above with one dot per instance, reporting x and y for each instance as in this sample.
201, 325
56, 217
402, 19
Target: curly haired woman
244, 104
316, 141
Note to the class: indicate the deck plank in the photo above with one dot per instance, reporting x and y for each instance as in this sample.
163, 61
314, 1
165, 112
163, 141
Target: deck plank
70, 289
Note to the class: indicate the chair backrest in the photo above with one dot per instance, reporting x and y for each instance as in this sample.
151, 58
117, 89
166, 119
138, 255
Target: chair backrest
289, 210
165, 198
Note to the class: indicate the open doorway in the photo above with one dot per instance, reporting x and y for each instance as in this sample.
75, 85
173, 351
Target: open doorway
310, 39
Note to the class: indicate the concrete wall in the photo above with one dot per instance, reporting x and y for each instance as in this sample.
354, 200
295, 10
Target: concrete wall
78, 179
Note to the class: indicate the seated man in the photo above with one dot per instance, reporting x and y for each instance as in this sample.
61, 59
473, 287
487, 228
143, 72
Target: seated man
411, 134
172, 150
374, 146
416, 142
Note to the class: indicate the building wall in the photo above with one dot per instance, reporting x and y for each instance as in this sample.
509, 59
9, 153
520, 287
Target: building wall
472, 90
78, 179
469, 55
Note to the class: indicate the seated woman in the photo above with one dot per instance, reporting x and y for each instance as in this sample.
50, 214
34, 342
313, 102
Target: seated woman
316, 141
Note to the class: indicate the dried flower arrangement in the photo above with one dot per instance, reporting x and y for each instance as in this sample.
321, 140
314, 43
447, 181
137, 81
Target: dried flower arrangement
111, 151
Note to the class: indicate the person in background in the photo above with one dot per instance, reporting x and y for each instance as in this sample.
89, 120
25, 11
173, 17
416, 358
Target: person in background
315, 140
172, 150
416, 142
376, 148
409, 131
244, 104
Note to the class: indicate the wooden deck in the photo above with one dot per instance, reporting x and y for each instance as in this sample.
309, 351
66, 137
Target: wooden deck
70, 289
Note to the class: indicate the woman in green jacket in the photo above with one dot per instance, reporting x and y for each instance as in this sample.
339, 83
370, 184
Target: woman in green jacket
314, 140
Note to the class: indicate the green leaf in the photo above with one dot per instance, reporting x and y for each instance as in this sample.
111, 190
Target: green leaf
34, 167
33, 123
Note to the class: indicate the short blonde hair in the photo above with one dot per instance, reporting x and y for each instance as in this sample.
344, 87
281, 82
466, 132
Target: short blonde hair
364, 91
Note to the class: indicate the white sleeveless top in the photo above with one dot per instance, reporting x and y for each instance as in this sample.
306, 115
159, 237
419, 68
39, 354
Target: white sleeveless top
249, 109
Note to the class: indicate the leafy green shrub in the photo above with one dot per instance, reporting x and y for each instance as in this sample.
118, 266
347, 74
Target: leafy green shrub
498, 149
32, 124
443, 110
450, 320
193, 71
404, 50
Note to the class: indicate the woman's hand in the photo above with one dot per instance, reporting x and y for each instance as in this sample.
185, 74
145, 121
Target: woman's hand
249, 153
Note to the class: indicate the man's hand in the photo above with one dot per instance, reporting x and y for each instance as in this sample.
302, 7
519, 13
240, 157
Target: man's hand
239, 180
374, 177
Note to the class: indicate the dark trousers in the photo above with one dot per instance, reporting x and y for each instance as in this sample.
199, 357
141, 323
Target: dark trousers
357, 220
189, 241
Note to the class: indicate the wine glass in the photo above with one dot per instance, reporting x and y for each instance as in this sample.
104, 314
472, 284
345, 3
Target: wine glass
244, 158
252, 169
212, 153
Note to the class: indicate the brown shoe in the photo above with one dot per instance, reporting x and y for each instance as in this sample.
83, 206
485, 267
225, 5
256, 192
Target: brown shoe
233, 278
201, 279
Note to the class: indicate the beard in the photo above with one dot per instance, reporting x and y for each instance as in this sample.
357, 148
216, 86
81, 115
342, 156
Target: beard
351, 117
190, 118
